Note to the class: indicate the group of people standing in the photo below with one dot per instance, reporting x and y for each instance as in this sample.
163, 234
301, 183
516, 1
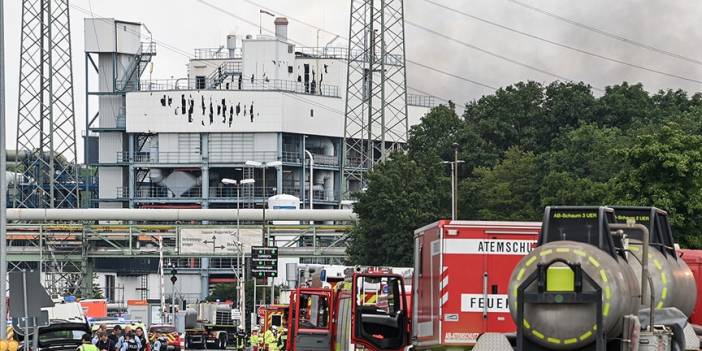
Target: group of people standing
274, 339
122, 340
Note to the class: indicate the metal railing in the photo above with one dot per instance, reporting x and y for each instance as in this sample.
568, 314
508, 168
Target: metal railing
246, 84
155, 191
292, 157
356, 162
148, 48
421, 100
323, 52
241, 156
159, 157
246, 192
216, 53
324, 160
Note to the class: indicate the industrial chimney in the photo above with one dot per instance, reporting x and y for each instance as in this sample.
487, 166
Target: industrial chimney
231, 45
281, 28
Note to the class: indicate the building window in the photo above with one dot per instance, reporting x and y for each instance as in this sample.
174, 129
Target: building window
200, 82
110, 288
290, 69
311, 113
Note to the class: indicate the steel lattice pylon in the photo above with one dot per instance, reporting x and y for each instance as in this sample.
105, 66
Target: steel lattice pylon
376, 89
46, 131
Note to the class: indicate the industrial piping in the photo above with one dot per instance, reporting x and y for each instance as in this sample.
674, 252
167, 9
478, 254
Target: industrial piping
173, 215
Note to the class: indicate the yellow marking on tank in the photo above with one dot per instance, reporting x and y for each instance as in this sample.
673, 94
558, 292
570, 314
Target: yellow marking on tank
603, 274
537, 334
664, 278
530, 261
594, 262
664, 293
634, 248
545, 253
585, 336
605, 309
520, 275
659, 305
580, 253
553, 340
657, 264
526, 324
570, 341
562, 249
608, 292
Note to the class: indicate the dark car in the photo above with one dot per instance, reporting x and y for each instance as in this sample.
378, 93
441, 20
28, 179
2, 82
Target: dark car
59, 335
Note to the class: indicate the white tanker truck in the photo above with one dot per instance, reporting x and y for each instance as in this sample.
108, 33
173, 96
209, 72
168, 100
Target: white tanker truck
601, 279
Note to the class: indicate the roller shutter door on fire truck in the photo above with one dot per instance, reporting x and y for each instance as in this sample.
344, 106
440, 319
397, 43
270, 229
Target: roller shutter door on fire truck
474, 282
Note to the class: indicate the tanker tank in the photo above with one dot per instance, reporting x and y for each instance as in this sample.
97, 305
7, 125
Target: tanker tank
572, 326
681, 290
660, 273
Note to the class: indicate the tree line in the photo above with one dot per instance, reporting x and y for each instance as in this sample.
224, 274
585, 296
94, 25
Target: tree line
531, 145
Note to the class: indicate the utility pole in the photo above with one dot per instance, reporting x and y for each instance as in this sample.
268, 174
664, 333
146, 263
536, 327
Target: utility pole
454, 180
160, 269
3, 181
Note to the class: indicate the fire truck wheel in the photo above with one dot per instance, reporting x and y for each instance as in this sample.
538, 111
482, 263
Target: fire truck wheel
222, 341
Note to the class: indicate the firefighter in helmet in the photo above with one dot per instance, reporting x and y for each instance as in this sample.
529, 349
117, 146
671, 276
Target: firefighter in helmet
282, 337
240, 338
271, 339
255, 339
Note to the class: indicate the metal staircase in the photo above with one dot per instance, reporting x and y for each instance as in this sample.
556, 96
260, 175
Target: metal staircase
137, 66
225, 70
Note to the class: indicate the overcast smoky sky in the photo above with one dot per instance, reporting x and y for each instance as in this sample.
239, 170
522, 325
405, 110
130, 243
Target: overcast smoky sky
189, 24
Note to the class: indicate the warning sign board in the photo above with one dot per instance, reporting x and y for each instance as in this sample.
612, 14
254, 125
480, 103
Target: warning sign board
264, 261
216, 241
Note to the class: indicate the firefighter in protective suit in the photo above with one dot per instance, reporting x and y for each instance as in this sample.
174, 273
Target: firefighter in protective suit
255, 339
270, 339
240, 338
282, 338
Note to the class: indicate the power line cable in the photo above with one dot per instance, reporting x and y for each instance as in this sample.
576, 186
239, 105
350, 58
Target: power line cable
453, 75
488, 52
607, 34
565, 46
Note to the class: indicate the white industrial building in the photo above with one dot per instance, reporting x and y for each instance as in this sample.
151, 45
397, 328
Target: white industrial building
169, 143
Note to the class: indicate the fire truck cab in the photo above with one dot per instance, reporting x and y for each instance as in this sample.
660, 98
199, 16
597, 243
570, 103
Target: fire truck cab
369, 311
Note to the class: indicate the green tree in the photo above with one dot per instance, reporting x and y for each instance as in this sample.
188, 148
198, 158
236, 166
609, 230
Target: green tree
581, 165
624, 104
401, 197
430, 142
506, 192
666, 173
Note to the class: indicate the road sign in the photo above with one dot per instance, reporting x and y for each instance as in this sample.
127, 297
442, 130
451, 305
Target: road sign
264, 261
199, 241
36, 298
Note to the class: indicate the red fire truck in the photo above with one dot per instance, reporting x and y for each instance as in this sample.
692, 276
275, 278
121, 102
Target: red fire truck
461, 277
370, 310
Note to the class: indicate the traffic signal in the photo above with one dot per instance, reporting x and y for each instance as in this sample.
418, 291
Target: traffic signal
174, 279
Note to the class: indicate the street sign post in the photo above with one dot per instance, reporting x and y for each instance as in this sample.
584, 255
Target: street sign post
264, 262
25, 286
